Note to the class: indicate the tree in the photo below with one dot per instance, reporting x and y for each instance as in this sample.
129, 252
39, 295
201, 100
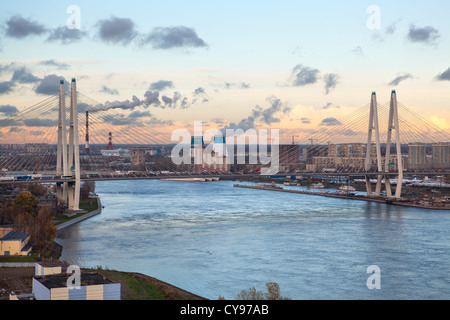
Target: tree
26, 202
88, 186
250, 294
273, 293
42, 230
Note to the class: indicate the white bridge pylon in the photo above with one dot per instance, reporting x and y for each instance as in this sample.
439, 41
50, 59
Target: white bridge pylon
68, 159
393, 124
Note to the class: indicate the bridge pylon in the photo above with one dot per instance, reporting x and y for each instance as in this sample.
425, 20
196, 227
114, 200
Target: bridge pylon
373, 129
393, 124
68, 159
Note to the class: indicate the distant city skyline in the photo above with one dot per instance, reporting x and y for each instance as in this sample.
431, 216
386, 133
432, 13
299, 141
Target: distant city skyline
291, 65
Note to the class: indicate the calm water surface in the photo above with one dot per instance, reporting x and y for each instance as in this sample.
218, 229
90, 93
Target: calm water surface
313, 247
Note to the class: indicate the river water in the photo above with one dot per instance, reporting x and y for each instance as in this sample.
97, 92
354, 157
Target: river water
214, 240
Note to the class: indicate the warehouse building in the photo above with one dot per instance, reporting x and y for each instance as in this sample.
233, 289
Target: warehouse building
92, 287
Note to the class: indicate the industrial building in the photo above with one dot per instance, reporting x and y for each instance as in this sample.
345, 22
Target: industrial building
13, 243
210, 160
441, 155
92, 287
417, 156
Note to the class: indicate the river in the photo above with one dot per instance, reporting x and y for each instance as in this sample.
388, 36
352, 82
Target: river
214, 240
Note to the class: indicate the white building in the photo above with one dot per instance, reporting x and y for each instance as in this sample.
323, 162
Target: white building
93, 286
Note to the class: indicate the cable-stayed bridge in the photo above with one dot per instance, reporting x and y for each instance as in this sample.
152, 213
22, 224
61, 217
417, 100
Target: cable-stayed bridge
68, 138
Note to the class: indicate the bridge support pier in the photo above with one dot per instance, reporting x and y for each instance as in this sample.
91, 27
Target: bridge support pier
68, 160
373, 126
393, 124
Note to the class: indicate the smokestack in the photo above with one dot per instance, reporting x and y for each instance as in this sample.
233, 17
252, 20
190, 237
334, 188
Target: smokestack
110, 146
87, 132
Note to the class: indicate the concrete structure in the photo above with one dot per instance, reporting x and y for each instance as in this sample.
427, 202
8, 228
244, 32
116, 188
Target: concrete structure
289, 153
417, 156
92, 287
137, 158
373, 129
68, 160
211, 158
49, 268
393, 124
15, 244
441, 155
87, 133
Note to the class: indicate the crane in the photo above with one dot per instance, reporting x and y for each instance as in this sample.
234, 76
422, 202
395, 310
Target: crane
37, 167
293, 138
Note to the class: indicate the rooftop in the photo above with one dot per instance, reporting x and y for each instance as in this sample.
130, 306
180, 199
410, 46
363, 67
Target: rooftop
60, 280
14, 236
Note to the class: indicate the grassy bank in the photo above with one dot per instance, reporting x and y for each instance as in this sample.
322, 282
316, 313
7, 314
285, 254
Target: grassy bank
88, 205
134, 286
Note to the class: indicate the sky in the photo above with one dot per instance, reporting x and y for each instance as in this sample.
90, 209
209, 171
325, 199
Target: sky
288, 65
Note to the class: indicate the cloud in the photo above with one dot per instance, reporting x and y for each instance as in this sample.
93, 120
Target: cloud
40, 122
22, 75
154, 98
19, 27
121, 120
304, 75
358, 51
127, 104
8, 110
329, 105
65, 35
36, 133
117, 30
444, 76
200, 94
330, 122
161, 85
53, 63
14, 129
426, 35
239, 85
134, 118
49, 85
390, 30
107, 90
173, 37
139, 114
331, 80
151, 97
400, 78
244, 124
267, 115
6, 87
305, 120
7, 67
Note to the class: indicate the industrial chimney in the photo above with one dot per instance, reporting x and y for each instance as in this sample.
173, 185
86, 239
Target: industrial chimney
87, 132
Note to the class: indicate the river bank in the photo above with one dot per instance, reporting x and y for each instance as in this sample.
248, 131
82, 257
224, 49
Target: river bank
350, 197
78, 217
134, 286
